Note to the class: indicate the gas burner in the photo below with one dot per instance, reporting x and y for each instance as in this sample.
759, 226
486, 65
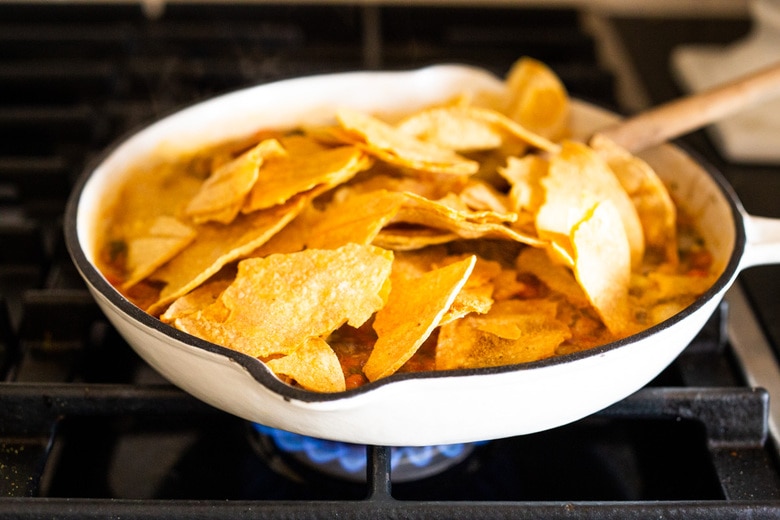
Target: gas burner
348, 461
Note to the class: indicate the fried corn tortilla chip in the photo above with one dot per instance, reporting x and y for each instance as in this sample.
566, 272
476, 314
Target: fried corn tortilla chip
278, 302
382, 176
478, 195
393, 146
452, 127
578, 179
476, 296
357, 218
465, 224
281, 178
513, 331
221, 196
652, 200
217, 244
411, 315
410, 239
525, 174
555, 276
602, 265
313, 365
538, 99
165, 238
515, 129
196, 300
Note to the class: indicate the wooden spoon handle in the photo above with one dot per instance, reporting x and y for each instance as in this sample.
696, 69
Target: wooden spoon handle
678, 117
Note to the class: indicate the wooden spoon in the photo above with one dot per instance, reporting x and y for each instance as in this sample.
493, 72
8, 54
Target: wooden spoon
683, 115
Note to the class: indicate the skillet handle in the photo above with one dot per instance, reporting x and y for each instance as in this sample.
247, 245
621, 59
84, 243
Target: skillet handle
763, 241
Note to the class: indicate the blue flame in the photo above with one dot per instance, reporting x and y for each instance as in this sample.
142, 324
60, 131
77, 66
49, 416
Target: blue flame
352, 457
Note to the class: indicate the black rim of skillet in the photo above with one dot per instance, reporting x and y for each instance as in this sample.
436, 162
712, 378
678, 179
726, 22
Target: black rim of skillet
265, 377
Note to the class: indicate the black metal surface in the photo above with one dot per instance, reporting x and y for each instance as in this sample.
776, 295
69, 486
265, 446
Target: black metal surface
88, 431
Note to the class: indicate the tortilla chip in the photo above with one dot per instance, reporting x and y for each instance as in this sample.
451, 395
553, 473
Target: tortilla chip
410, 239
216, 244
652, 200
196, 300
513, 331
221, 196
278, 302
281, 178
452, 127
301, 144
481, 196
525, 174
602, 265
555, 276
515, 129
393, 146
476, 296
507, 285
165, 238
411, 315
313, 365
382, 176
357, 219
538, 99
578, 179
465, 224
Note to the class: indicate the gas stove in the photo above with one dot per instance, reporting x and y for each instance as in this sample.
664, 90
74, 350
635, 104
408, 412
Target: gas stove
88, 430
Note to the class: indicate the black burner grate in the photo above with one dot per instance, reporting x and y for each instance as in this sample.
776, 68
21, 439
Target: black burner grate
88, 430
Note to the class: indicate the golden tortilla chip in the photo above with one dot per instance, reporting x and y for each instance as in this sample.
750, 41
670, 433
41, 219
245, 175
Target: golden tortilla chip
281, 178
513, 331
278, 302
221, 196
525, 174
313, 365
393, 146
217, 244
476, 296
465, 224
555, 276
538, 99
602, 265
165, 238
453, 128
357, 219
507, 285
578, 179
481, 196
406, 239
411, 315
382, 176
515, 129
196, 300
301, 144
652, 200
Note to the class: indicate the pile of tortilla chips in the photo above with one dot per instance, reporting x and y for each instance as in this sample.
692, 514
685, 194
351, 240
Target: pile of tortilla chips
461, 236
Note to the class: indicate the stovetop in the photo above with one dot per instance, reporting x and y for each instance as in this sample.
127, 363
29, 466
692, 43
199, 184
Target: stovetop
88, 430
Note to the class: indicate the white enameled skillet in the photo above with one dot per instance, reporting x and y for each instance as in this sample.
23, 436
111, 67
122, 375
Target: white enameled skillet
410, 409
